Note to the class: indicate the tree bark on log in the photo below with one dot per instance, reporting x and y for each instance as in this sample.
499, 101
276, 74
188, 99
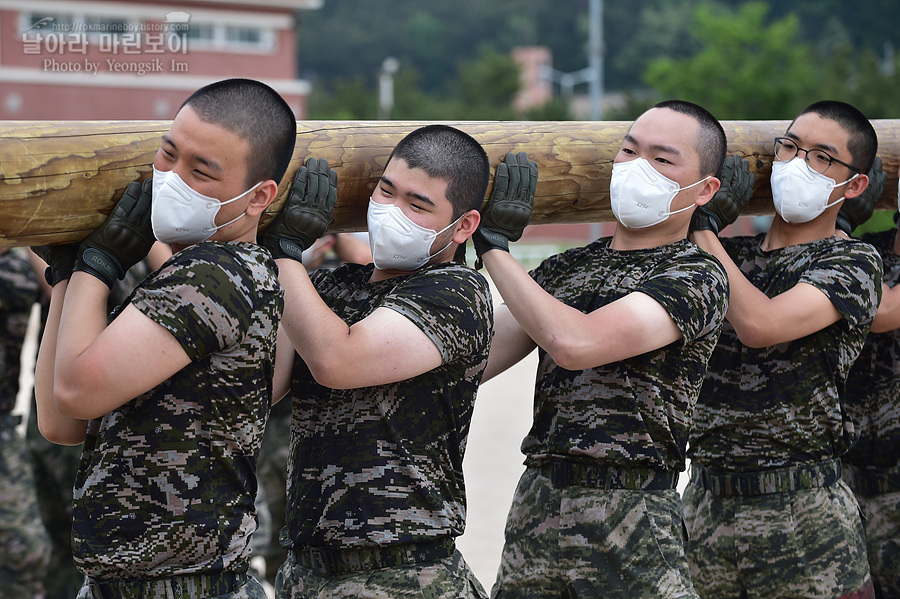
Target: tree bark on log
59, 179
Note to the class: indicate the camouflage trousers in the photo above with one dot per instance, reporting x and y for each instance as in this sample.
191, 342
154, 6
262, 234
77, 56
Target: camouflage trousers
881, 517
24, 543
448, 578
792, 544
581, 542
187, 587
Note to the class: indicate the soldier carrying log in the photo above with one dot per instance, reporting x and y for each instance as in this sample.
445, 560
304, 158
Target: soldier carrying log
390, 355
172, 394
767, 512
624, 327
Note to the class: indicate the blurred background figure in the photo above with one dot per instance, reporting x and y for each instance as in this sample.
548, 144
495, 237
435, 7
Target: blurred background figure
24, 542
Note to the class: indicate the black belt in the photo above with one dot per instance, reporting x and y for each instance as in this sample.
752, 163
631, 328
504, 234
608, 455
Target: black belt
565, 473
868, 482
764, 482
189, 586
325, 562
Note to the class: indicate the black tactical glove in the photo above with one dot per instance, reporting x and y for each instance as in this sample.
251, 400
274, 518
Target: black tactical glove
734, 193
60, 261
122, 240
856, 211
508, 209
306, 213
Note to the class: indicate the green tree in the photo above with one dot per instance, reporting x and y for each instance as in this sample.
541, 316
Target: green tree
349, 99
482, 90
633, 41
745, 69
487, 86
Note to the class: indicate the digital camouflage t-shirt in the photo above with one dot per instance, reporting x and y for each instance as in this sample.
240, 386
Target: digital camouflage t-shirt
782, 405
383, 465
636, 412
167, 481
873, 385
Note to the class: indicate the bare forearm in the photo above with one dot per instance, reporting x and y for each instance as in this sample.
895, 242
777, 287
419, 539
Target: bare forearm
56, 427
762, 321
562, 331
82, 321
747, 305
510, 344
532, 307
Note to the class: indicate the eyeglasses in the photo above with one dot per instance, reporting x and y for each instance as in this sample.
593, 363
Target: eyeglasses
817, 160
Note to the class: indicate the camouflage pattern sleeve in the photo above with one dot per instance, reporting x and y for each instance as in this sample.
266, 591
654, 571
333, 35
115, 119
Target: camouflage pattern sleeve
694, 291
851, 279
456, 296
210, 281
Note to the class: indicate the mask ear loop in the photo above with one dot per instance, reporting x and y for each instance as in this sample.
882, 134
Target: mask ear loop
449, 243
842, 198
239, 216
688, 207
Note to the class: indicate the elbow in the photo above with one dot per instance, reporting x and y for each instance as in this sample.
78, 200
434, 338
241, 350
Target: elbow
329, 373
880, 327
566, 361
884, 321
58, 435
876, 328
71, 400
568, 356
753, 336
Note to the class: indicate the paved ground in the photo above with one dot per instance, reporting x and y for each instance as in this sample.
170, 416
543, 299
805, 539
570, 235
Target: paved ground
493, 464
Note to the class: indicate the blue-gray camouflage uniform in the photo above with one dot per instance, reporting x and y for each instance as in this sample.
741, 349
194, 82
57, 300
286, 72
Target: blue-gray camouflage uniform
375, 486
24, 542
164, 496
596, 513
872, 466
767, 513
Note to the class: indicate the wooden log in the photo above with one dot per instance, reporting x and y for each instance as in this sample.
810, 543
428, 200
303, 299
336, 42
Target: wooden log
58, 180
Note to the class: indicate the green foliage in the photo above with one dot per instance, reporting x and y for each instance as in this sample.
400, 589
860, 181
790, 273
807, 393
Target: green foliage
751, 68
554, 110
483, 90
349, 99
741, 59
487, 85
744, 68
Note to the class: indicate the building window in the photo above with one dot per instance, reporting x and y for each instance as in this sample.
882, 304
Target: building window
237, 38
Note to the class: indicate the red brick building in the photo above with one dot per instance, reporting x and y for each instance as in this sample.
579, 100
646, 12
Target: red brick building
135, 60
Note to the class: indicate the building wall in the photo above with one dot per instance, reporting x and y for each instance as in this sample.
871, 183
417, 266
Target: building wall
69, 67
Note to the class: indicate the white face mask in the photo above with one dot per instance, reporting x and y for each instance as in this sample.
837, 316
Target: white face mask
641, 197
181, 215
398, 243
799, 193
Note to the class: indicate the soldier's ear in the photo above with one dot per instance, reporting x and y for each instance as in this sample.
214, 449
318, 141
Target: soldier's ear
466, 226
